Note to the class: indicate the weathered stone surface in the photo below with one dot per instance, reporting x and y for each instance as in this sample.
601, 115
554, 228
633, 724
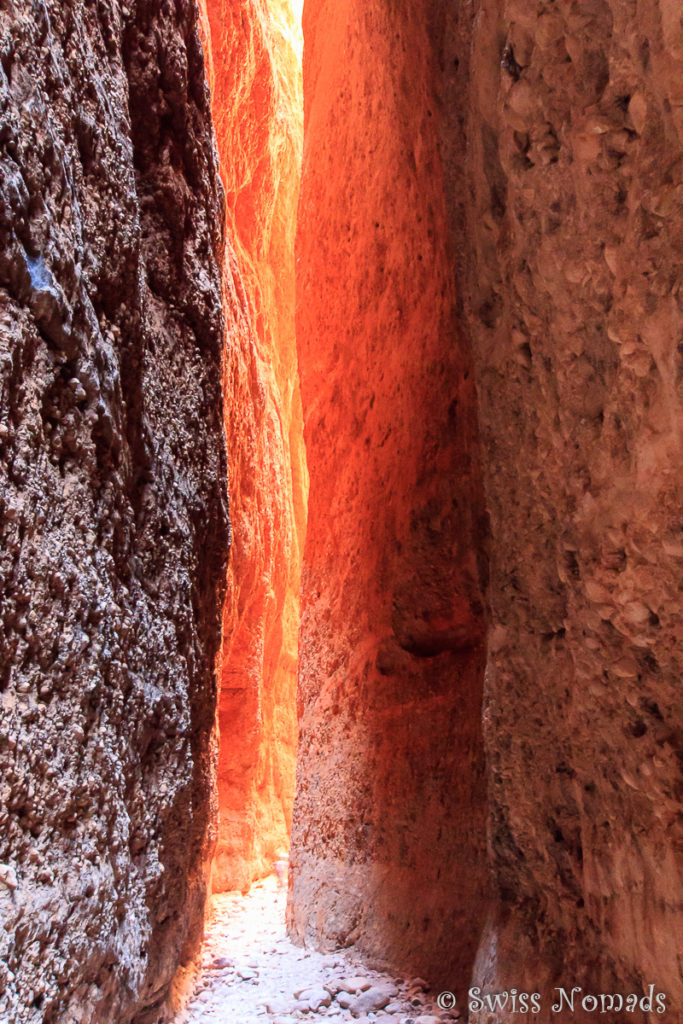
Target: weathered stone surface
375, 998
574, 251
354, 984
257, 105
533, 153
112, 503
388, 836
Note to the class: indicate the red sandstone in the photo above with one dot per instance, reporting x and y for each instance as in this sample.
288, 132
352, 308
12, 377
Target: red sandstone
256, 99
388, 839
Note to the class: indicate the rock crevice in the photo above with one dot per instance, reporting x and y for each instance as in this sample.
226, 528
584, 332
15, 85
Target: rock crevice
255, 74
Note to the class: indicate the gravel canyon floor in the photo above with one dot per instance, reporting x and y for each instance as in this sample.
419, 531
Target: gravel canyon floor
251, 972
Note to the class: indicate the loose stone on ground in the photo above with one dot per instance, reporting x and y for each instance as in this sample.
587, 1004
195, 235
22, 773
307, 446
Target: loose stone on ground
252, 974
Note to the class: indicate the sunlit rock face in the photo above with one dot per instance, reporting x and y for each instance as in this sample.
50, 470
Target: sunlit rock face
388, 843
112, 480
503, 177
255, 74
574, 227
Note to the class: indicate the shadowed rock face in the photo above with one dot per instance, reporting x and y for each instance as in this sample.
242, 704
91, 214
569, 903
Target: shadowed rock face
114, 527
574, 227
501, 178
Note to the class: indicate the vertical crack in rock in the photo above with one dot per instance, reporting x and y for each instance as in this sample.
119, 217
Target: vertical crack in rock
112, 496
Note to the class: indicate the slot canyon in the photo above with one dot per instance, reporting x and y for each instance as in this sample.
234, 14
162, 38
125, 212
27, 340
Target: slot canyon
340, 500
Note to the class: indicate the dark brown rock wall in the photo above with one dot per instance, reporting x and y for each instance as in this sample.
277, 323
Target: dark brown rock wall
571, 145
113, 508
388, 835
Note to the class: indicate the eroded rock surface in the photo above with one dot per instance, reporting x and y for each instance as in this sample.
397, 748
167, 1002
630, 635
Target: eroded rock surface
575, 235
113, 507
256, 99
533, 154
388, 838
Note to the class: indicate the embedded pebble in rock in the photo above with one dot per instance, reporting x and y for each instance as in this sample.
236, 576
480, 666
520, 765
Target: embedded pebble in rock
8, 876
252, 973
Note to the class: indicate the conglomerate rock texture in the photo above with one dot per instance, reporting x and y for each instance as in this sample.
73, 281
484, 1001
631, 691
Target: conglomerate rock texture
501, 178
388, 842
255, 73
114, 518
574, 253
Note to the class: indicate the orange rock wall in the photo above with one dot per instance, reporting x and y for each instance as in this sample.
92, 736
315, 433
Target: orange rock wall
505, 178
388, 837
254, 68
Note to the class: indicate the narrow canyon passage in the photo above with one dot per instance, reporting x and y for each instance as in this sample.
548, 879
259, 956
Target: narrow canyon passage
410, 235
340, 488
253, 54
460, 340
373, 824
